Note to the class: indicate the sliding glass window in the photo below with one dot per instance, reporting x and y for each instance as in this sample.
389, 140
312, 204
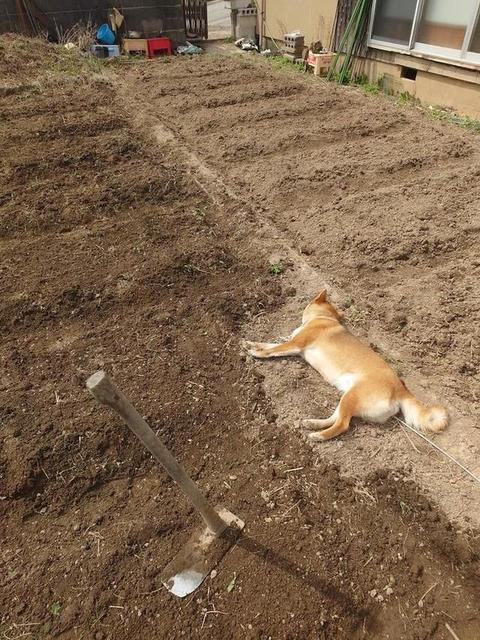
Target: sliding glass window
442, 28
474, 48
393, 21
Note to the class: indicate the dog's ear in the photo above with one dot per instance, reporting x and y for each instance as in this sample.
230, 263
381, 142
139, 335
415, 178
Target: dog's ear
322, 297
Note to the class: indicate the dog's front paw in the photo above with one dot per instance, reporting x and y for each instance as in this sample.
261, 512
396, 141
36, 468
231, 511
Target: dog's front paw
254, 349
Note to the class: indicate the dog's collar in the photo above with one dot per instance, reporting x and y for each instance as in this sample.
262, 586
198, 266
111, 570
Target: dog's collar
324, 318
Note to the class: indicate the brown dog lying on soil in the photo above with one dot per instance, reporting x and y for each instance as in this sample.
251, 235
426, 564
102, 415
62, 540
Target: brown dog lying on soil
371, 388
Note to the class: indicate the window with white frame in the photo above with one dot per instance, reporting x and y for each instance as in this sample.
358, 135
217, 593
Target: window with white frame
441, 28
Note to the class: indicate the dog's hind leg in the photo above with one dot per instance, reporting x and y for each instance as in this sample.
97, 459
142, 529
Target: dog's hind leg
270, 349
338, 428
313, 424
345, 410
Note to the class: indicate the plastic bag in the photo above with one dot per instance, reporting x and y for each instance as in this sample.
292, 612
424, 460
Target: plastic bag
189, 49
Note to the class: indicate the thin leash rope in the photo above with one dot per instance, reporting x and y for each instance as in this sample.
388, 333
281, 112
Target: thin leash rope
436, 446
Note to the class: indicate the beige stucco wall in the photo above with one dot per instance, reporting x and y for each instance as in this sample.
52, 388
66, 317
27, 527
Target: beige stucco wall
314, 18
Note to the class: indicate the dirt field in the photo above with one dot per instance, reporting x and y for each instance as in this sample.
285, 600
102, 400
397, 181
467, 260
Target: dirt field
140, 211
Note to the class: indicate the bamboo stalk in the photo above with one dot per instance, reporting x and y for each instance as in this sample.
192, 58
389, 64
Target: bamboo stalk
343, 40
351, 39
355, 32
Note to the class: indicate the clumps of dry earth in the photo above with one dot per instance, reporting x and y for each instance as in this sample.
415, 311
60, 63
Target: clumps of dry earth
125, 247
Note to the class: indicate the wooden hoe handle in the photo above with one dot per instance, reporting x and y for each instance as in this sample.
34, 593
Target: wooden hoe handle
104, 390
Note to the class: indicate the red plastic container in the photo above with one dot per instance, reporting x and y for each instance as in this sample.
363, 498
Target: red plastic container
159, 46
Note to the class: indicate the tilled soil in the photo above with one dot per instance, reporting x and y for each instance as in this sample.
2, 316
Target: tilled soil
377, 200
334, 169
129, 248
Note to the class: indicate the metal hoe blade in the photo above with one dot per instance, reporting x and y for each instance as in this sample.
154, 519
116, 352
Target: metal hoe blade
200, 555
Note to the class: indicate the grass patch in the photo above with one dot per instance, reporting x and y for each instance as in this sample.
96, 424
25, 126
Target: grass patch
335, 77
404, 97
25, 59
370, 88
444, 115
200, 214
55, 609
405, 508
276, 269
280, 63
73, 63
192, 269
356, 315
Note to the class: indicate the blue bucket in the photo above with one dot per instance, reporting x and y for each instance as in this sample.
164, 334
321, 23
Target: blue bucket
105, 35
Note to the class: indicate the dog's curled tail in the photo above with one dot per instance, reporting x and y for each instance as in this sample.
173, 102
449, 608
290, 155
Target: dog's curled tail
427, 418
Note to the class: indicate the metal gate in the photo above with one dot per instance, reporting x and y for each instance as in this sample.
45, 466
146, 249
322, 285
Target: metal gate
196, 18
148, 16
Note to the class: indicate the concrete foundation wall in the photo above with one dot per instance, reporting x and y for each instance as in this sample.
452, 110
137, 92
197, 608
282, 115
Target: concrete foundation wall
448, 92
436, 83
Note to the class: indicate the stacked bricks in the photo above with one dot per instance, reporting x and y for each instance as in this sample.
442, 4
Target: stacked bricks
294, 43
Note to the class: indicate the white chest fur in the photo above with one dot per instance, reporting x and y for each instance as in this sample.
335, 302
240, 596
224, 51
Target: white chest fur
345, 381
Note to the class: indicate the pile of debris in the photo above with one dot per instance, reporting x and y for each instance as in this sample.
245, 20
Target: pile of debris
247, 44
108, 40
315, 56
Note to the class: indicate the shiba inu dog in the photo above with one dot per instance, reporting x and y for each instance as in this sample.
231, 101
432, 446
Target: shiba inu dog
371, 388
